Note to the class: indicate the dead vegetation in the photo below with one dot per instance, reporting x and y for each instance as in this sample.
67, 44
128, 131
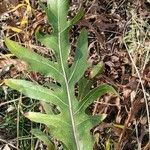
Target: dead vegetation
119, 36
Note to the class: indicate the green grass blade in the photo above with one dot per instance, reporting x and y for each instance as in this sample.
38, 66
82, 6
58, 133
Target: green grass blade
43, 137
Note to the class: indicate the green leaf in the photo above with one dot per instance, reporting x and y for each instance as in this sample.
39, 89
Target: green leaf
57, 14
58, 126
36, 91
48, 108
84, 87
80, 63
71, 125
96, 70
85, 83
50, 41
93, 95
77, 17
35, 61
43, 137
85, 124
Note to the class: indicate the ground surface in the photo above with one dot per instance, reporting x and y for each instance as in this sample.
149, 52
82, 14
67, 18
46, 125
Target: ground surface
118, 35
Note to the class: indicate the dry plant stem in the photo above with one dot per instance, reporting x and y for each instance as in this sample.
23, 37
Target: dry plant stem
148, 51
32, 138
91, 6
106, 104
80, 2
144, 92
4, 141
130, 116
137, 133
14, 100
147, 147
147, 55
18, 119
95, 107
25, 30
124, 129
37, 144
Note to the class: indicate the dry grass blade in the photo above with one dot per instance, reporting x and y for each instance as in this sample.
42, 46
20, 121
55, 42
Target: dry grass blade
144, 92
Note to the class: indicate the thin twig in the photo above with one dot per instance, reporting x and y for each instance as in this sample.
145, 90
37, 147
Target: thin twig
137, 135
147, 147
4, 141
11, 101
124, 129
144, 92
18, 119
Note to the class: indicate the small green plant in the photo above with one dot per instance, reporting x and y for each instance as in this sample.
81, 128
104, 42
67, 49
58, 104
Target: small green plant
71, 125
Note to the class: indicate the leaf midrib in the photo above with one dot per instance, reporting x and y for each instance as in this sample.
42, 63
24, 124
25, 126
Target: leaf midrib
66, 81
42, 61
49, 93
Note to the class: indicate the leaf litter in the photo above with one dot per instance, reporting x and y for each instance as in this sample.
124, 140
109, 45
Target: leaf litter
108, 23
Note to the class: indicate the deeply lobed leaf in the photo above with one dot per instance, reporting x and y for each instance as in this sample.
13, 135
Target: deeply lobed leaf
71, 125
46, 67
